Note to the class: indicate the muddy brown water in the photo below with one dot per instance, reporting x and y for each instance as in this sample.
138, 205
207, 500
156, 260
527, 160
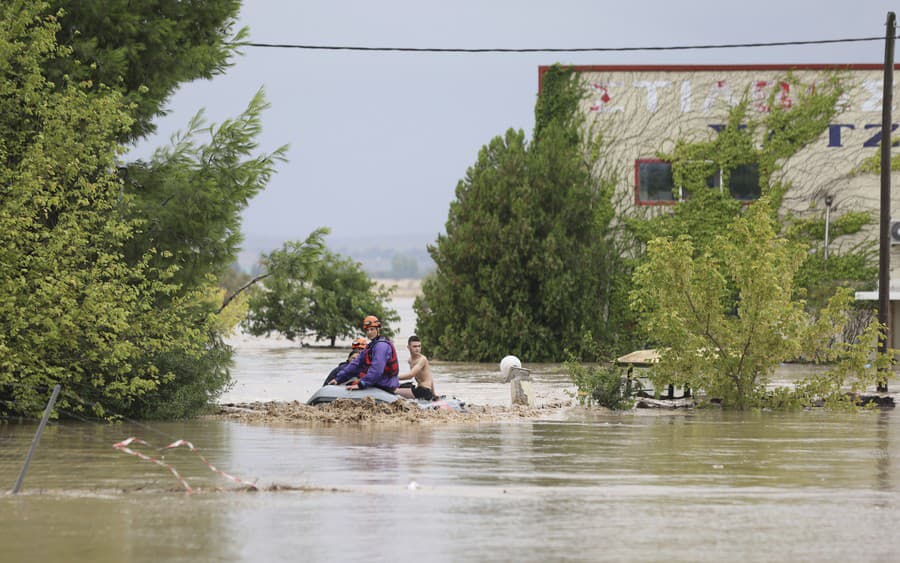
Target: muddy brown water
568, 485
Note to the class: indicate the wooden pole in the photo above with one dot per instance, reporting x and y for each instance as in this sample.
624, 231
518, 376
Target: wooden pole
884, 249
37, 438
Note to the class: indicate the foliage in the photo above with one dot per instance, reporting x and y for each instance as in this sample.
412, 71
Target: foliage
524, 265
144, 50
853, 366
604, 385
727, 316
226, 321
342, 295
309, 290
234, 278
196, 380
125, 267
191, 195
601, 384
74, 310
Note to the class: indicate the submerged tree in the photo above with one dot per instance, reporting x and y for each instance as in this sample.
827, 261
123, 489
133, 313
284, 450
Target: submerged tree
726, 315
524, 266
309, 291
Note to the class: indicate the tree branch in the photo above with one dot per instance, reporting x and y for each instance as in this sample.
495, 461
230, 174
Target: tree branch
231, 297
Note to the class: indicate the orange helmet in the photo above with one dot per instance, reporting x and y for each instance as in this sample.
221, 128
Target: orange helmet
371, 320
358, 344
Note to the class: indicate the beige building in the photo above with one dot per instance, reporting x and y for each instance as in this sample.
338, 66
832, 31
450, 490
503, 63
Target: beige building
642, 110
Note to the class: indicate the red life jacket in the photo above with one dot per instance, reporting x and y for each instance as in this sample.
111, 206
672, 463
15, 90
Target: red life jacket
391, 367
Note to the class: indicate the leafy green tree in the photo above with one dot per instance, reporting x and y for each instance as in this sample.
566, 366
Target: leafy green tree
187, 199
180, 212
234, 279
524, 266
144, 50
726, 316
190, 195
75, 311
342, 295
311, 291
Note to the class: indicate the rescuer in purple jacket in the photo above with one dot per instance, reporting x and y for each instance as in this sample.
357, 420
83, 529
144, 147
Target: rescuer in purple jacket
376, 366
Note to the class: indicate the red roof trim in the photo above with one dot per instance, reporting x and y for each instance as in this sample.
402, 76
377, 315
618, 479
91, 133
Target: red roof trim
700, 68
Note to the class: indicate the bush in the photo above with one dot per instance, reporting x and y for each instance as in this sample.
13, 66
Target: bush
602, 384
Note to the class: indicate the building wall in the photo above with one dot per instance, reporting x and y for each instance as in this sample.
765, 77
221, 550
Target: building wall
641, 111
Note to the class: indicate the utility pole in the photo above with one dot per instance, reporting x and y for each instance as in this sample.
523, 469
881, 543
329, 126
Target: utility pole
884, 248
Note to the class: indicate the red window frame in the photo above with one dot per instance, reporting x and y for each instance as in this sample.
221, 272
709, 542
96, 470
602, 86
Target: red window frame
637, 184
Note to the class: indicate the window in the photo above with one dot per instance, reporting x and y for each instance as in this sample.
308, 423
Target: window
655, 185
653, 179
744, 182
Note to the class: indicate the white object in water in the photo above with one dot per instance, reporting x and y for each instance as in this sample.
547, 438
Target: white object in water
519, 379
507, 363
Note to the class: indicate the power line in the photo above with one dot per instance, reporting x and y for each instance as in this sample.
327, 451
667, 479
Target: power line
554, 49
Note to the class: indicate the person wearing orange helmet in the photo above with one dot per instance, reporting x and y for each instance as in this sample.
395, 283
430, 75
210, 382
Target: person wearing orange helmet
358, 345
376, 366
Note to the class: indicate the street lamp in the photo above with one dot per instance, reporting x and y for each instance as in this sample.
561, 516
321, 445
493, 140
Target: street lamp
829, 199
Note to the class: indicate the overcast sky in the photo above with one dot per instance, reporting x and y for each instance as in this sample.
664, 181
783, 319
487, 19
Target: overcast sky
378, 141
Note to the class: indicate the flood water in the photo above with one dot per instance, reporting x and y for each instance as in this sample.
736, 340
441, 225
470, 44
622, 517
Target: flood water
582, 485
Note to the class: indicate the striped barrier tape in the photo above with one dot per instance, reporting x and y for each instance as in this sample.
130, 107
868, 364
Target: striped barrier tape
123, 446
191, 447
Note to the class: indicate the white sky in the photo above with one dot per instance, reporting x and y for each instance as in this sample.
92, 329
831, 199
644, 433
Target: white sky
378, 141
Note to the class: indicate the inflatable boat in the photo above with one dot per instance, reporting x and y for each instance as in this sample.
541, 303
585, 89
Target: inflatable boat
331, 393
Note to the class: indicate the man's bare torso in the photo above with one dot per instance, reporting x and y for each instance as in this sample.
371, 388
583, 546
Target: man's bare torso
423, 373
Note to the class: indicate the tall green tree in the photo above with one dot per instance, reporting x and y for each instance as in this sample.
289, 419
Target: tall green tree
310, 291
524, 265
182, 208
190, 195
75, 311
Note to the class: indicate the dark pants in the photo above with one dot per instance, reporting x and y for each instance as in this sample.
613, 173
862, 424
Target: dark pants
420, 392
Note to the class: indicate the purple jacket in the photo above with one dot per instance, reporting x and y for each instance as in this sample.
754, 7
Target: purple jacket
380, 352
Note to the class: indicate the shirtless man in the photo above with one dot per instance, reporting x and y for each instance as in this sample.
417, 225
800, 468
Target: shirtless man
420, 370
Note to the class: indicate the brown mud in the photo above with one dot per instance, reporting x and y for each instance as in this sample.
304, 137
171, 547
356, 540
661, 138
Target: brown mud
368, 411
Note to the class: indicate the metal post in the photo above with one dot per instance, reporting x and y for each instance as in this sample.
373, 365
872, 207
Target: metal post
884, 248
828, 201
37, 437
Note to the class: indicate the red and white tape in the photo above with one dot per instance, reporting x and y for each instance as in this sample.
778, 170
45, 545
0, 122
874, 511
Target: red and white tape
191, 447
123, 446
